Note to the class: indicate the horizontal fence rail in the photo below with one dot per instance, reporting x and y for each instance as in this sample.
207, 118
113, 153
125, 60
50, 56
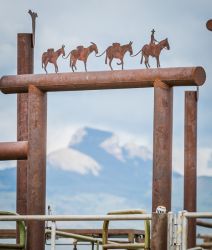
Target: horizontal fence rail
74, 217
140, 78
205, 215
184, 216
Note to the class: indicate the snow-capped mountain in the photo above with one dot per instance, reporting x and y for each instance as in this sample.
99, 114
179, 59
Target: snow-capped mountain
110, 169
95, 173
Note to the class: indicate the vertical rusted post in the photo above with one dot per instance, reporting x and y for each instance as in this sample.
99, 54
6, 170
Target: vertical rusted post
36, 174
159, 232
190, 162
25, 61
162, 156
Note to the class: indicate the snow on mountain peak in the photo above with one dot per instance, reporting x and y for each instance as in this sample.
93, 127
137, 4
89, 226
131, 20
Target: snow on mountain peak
135, 150
72, 160
111, 146
78, 136
95, 138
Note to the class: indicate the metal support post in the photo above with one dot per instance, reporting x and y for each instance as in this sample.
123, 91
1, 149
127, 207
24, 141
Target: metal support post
162, 159
36, 174
25, 66
190, 162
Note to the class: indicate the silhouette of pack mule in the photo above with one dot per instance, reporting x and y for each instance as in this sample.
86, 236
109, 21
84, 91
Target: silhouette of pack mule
51, 56
81, 53
117, 51
153, 50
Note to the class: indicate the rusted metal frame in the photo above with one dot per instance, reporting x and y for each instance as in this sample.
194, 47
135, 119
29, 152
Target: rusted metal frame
36, 174
142, 78
209, 24
162, 161
25, 65
159, 231
13, 150
204, 223
190, 162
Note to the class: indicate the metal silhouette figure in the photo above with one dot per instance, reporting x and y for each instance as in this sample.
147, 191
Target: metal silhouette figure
153, 40
117, 51
51, 56
81, 53
33, 15
153, 49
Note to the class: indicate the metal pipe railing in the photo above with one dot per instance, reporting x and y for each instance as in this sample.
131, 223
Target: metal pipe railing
184, 221
54, 218
75, 217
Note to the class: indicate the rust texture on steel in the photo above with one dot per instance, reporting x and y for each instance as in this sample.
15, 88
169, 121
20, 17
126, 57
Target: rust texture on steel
33, 15
36, 174
209, 24
159, 231
51, 56
142, 78
25, 65
13, 150
118, 51
7, 233
153, 49
202, 223
162, 160
162, 146
190, 162
81, 53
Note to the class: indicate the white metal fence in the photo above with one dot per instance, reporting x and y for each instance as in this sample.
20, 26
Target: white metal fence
177, 224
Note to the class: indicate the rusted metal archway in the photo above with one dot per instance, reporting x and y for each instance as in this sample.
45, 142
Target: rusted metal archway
30, 150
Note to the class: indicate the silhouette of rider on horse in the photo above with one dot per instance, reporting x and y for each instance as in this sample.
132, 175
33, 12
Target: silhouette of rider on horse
153, 40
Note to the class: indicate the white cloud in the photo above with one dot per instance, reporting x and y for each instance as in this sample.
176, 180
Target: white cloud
134, 150
59, 136
7, 164
72, 160
203, 158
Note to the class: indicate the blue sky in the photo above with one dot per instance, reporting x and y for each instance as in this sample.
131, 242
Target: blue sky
128, 113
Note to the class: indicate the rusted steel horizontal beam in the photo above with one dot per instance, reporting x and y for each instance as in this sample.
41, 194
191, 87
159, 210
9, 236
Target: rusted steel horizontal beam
7, 233
140, 78
204, 223
13, 150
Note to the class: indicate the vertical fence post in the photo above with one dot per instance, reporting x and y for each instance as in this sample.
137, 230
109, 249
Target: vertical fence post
36, 174
190, 162
25, 62
162, 154
53, 235
159, 231
184, 231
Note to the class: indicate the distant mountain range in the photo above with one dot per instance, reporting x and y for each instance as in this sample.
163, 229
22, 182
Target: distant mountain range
95, 174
